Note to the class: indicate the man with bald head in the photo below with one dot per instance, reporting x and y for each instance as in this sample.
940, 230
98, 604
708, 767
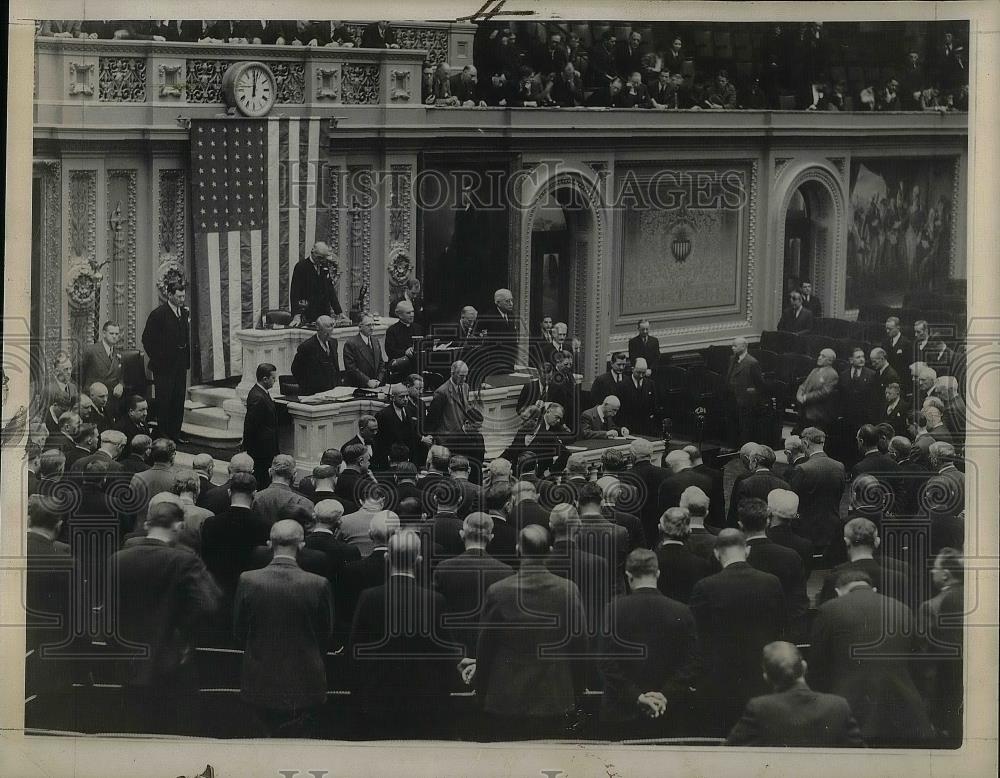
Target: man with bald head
502, 327
526, 691
601, 421
283, 619
793, 715
745, 393
400, 348
364, 362
449, 408
316, 365
312, 293
102, 415
640, 410
401, 662
817, 395
216, 498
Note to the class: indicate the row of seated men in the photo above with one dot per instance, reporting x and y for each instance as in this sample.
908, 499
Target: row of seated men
339, 526
376, 35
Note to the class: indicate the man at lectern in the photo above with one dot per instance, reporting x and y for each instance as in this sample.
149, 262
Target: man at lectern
312, 293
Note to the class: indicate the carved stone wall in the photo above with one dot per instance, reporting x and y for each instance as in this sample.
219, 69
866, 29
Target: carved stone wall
434, 41
361, 84
122, 80
122, 252
204, 80
291, 80
50, 173
172, 190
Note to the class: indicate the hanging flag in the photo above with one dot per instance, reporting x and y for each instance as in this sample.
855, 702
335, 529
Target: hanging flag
253, 209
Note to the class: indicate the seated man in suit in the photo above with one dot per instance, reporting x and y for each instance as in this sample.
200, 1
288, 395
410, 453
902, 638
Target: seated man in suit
133, 422
796, 318
316, 366
599, 421
541, 441
364, 362
645, 346
102, 413
793, 715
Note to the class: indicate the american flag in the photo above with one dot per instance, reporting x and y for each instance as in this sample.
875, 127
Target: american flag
254, 185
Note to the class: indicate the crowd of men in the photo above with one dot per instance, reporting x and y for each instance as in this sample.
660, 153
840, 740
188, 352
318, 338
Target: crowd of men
796, 66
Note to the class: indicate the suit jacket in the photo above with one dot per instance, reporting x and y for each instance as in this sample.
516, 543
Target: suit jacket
96, 365
787, 566
314, 369
337, 552
665, 629
819, 483
635, 96
268, 33
758, 484
373, 38
228, 540
463, 581
797, 718
503, 546
898, 417
70, 394
899, 356
717, 497
47, 590
501, 337
605, 385
886, 377
401, 659
398, 338
591, 425
565, 93
789, 322
522, 613
650, 351
273, 502
311, 293
355, 577
891, 581
814, 304
680, 570
640, 410
818, 393
391, 429
673, 487
130, 429
260, 427
590, 572
651, 477
943, 499
546, 449
283, 616
166, 339
163, 592
858, 395
528, 512
448, 409
878, 686
607, 540
738, 611
784, 535
745, 381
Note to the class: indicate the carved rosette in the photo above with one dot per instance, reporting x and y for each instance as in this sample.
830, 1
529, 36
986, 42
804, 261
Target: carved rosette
122, 80
123, 299
360, 84
400, 268
291, 79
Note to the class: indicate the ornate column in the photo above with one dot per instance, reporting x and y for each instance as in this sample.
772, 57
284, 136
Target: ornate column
399, 239
121, 205
50, 254
83, 276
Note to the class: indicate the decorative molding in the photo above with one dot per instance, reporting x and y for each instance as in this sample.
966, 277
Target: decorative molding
122, 80
171, 80
203, 80
171, 210
81, 76
328, 83
360, 84
779, 164
401, 181
291, 79
956, 201
400, 80
838, 162
434, 42
50, 174
334, 195
123, 284
752, 238
83, 214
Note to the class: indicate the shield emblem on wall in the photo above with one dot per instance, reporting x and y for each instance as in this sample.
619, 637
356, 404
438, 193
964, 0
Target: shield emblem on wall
680, 247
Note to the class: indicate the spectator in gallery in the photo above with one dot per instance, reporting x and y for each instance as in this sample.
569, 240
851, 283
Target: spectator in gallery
911, 82
634, 92
555, 57
809, 300
793, 715
663, 92
721, 94
796, 317
441, 87
379, 35
887, 98
62, 28
567, 89
465, 87
608, 95
674, 57
602, 61
525, 91
950, 62
628, 55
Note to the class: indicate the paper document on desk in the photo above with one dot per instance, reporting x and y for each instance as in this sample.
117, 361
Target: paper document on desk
337, 393
443, 346
575, 448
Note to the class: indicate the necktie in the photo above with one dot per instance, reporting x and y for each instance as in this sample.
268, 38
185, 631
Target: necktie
856, 374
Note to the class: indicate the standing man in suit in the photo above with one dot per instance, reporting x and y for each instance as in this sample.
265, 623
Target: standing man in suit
449, 408
796, 318
400, 350
316, 366
898, 350
639, 690
758, 484
166, 340
858, 391
363, 359
680, 567
782, 515
817, 395
283, 619
101, 363
878, 684
61, 388
311, 293
682, 475
894, 410
819, 483
650, 478
163, 594
793, 715
884, 372
810, 301
396, 425
379, 35
260, 427
528, 692
644, 345
502, 329
745, 383
640, 409
738, 611
612, 381
601, 422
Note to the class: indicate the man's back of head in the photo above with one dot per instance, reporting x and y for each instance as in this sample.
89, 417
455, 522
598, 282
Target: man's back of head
696, 503
241, 463
783, 665
564, 521
675, 524
382, 526
752, 513
328, 513
477, 530
287, 536
533, 542
404, 552
730, 547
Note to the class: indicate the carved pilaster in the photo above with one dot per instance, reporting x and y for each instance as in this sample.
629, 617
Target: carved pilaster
956, 199
50, 174
83, 215
171, 209
122, 252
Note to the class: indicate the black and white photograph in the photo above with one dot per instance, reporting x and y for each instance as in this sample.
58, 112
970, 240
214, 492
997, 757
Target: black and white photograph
513, 389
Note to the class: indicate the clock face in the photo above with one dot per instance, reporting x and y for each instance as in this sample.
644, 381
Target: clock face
254, 90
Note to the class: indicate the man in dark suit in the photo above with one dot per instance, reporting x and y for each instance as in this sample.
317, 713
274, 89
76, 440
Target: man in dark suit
137, 459
644, 345
943, 498
640, 410
638, 690
269, 32
527, 691
612, 381
782, 515
133, 421
316, 366
85, 443
809, 300
464, 579
101, 412
283, 619
738, 611
567, 87
599, 533
163, 593
628, 55
63, 438
783, 563
379, 35
793, 715
745, 390
110, 450
885, 374
400, 348
322, 537
819, 483
540, 442
570, 559
862, 541
680, 568
48, 580
102, 363
260, 427
502, 328
858, 386
873, 461
166, 340
650, 477
400, 657
758, 484
311, 293
682, 475
550, 386
877, 682
602, 420
396, 425
364, 363
796, 318
817, 394
894, 410
61, 387
525, 508
898, 350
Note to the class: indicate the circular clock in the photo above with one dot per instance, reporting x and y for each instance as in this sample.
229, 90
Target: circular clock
250, 88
